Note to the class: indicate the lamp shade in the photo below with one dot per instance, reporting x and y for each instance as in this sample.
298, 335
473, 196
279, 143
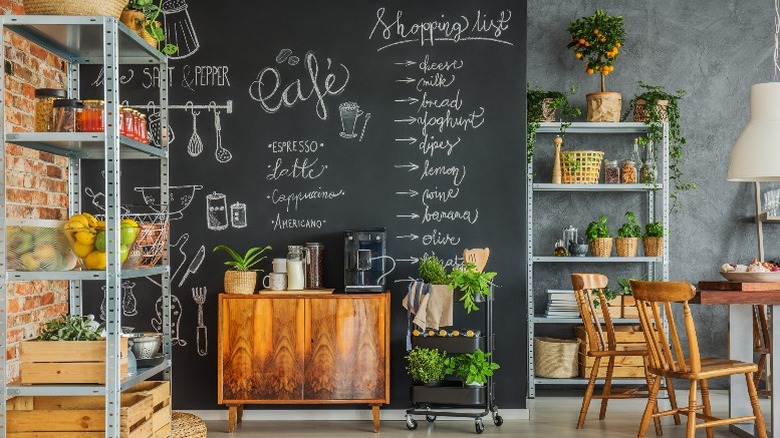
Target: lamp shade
756, 154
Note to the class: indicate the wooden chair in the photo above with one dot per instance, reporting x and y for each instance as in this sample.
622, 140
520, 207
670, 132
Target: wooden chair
602, 345
667, 359
762, 345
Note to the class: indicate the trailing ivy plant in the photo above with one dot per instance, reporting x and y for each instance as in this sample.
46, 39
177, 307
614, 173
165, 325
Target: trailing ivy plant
655, 134
564, 111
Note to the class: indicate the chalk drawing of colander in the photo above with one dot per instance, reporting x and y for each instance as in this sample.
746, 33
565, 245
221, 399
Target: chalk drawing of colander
179, 198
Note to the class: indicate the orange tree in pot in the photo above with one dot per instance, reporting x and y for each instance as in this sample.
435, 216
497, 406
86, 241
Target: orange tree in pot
597, 40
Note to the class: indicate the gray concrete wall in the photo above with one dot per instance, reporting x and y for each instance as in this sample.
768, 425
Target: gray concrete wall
714, 50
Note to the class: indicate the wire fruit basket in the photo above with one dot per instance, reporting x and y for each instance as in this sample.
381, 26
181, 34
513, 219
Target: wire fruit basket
151, 241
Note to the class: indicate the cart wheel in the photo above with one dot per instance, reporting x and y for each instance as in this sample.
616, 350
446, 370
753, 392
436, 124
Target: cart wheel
430, 418
479, 426
411, 423
498, 420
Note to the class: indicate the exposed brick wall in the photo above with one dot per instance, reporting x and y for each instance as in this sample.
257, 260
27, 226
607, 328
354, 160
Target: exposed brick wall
36, 182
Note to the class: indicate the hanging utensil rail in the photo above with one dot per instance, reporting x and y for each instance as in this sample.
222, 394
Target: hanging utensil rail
228, 106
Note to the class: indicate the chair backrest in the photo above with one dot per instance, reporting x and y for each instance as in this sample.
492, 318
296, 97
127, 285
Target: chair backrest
478, 256
762, 342
588, 288
653, 300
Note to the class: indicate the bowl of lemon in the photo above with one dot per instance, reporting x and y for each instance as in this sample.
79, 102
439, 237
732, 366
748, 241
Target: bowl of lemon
88, 238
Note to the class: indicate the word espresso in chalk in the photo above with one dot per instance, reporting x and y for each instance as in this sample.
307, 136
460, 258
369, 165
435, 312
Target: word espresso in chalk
295, 146
454, 30
265, 89
291, 199
437, 238
473, 120
281, 223
298, 169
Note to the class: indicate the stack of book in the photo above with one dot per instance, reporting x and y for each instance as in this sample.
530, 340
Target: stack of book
561, 304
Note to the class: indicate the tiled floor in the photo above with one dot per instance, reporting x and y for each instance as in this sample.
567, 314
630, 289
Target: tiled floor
553, 415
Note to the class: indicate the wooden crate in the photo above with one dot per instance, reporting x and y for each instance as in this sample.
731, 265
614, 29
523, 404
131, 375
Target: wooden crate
161, 399
66, 361
628, 307
627, 337
617, 373
77, 417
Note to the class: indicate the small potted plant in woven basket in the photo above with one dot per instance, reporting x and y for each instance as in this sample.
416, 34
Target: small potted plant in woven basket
653, 239
242, 278
599, 238
627, 242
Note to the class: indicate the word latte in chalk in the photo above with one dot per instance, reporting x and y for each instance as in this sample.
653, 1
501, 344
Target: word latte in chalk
298, 169
291, 199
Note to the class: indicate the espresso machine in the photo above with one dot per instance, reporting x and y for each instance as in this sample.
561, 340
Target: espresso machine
364, 260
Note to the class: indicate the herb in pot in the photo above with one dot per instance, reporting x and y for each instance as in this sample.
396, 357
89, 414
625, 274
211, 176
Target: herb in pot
471, 283
432, 270
151, 12
631, 228
425, 365
475, 368
556, 102
654, 229
71, 328
598, 229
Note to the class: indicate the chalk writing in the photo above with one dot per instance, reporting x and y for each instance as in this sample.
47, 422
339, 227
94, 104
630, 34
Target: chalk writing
298, 169
442, 196
458, 173
450, 215
436, 237
292, 199
295, 146
281, 223
429, 146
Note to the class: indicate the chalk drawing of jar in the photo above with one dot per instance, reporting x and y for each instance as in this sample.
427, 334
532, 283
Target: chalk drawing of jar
238, 215
216, 211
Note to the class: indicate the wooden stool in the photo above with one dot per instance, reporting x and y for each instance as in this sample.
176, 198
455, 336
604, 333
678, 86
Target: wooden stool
184, 425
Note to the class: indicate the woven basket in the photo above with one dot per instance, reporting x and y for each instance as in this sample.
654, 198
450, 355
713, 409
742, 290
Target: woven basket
601, 247
654, 246
581, 167
627, 246
641, 114
240, 282
185, 425
556, 358
111, 8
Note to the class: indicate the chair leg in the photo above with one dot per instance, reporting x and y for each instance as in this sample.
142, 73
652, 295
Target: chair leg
705, 397
761, 367
607, 387
588, 393
659, 431
652, 399
760, 426
691, 431
673, 400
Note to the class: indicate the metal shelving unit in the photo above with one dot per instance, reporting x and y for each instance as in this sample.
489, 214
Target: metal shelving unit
653, 265
104, 41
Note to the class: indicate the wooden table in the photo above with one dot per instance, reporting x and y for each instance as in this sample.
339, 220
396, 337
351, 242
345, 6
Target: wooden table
741, 297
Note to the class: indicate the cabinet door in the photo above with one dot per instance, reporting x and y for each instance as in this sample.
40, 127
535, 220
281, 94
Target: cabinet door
346, 356
260, 349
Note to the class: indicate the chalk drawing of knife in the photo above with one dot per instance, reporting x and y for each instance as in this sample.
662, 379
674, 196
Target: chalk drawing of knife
180, 245
194, 264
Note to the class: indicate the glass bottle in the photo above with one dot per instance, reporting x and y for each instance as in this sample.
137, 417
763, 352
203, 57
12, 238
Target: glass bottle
295, 273
560, 249
648, 172
611, 172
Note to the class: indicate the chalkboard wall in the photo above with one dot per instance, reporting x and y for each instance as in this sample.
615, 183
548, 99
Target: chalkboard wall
436, 155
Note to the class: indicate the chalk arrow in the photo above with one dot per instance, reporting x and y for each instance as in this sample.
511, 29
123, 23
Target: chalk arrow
405, 80
409, 140
408, 216
411, 166
408, 120
405, 63
410, 193
412, 260
408, 236
409, 100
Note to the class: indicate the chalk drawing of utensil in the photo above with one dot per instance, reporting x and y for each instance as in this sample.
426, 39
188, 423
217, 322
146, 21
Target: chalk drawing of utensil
195, 146
179, 198
179, 29
201, 334
179, 245
223, 155
365, 122
98, 199
194, 264
216, 211
175, 320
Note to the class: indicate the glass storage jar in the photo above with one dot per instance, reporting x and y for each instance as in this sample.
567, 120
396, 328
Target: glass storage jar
611, 172
295, 273
44, 107
628, 173
91, 116
142, 130
128, 122
315, 266
64, 114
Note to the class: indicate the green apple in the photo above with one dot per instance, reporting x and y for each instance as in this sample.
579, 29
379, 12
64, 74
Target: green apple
100, 241
124, 251
127, 234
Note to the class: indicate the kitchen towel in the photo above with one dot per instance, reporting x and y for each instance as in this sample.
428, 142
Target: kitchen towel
431, 305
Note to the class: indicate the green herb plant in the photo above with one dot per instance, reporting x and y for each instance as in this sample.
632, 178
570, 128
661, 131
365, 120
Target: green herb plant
425, 365
655, 134
596, 40
609, 294
535, 96
631, 228
431, 270
151, 11
70, 328
654, 229
471, 283
247, 261
598, 229
475, 368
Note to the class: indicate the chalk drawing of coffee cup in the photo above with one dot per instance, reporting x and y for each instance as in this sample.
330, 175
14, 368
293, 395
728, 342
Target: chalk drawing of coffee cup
349, 112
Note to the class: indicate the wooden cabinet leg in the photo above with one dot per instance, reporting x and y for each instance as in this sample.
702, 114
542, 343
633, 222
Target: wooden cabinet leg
240, 413
232, 414
375, 414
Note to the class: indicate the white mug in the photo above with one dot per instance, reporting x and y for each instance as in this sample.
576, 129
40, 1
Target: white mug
280, 265
275, 281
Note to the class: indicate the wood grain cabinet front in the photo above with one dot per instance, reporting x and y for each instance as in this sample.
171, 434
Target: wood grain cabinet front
298, 349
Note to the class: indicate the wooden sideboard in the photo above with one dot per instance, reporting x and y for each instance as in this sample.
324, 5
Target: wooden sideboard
304, 349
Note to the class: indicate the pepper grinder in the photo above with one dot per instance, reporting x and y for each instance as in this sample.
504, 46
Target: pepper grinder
556, 174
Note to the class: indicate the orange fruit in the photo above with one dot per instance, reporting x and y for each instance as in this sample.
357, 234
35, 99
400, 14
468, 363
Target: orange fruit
578, 55
582, 41
587, 44
596, 31
602, 39
589, 71
617, 44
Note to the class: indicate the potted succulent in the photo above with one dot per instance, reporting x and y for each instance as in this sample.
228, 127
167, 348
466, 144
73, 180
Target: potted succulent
426, 366
627, 242
597, 40
472, 283
141, 17
654, 106
543, 106
241, 279
599, 238
474, 368
653, 239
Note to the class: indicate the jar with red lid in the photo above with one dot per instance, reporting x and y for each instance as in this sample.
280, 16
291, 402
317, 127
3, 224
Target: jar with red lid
91, 116
142, 131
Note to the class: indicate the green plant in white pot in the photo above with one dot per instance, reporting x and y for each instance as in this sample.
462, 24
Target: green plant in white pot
242, 278
475, 368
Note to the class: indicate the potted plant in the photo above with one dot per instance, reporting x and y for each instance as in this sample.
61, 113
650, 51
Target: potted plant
141, 17
432, 270
599, 238
241, 279
475, 368
627, 242
654, 106
542, 106
653, 239
426, 366
596, 40
472, 283
628, 303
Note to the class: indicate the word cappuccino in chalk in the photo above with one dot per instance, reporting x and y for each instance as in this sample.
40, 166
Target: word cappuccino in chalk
295, 146
292, 199
298, 169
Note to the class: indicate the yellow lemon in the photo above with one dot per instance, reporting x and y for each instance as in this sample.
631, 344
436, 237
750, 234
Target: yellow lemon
91, 220
82, 249
100, 225
95, 260
85, 237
